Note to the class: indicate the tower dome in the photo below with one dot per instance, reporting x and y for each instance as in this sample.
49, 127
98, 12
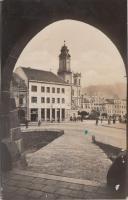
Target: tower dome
64, 64
64, 59
64, 51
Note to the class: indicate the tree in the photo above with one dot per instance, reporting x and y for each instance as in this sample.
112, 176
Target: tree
83, 114
94, 114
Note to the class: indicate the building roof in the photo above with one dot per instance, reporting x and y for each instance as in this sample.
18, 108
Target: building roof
110, 101
40, 75
18, 82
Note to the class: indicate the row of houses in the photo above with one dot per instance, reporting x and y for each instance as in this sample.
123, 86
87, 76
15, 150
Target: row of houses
43, 95
111, 107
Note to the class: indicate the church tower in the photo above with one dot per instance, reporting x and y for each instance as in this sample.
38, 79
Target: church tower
64, 65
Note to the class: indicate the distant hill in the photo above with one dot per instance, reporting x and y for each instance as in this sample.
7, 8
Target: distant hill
117, 90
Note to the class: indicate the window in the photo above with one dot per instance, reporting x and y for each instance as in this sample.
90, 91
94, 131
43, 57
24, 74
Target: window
67, 81
34, 114
58, 90
21, 100
63, 90
79, 81
42, 100
58, 100
21, 97
79, 92
75, 81
53, 90
34, 88
34, 99
42, 89
48, 89
53, 100
48, 100
63, 100
73, 92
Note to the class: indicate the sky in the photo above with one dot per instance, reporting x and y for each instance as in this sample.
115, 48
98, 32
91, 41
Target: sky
92, 53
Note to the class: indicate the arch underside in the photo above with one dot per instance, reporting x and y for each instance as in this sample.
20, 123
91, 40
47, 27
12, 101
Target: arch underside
23, 20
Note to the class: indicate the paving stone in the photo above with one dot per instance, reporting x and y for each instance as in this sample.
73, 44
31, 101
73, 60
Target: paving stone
35, 194
88, 188
22, 191
39, 180
10, 189
47, 196
7, 195
10, 183
38, 186
64, 191
24, 184
35, 186
50, 182
63, 197
63, 184
75, 187
77, 194
18, 197
17, 177
49, 188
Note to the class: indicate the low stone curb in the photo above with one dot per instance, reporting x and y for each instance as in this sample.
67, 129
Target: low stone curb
57, 178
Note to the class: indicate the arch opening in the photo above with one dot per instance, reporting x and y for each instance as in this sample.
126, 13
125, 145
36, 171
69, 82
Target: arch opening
79, 86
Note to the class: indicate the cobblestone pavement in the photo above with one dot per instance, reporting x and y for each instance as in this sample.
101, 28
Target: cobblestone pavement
26, 187
70, 167
71, 155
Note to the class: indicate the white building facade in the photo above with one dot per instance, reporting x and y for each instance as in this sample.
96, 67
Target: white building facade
48, 97
49, 102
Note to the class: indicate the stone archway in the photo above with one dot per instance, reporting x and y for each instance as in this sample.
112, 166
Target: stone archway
23, 20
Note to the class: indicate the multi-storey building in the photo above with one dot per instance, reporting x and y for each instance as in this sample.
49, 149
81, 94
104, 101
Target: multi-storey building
110, 107
116, 107
120, 107
90, 103
18, 91
48, 96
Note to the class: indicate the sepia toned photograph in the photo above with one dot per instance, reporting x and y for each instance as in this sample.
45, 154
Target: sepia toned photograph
63, 100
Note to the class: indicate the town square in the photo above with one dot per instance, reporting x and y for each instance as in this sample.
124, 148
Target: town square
63, 100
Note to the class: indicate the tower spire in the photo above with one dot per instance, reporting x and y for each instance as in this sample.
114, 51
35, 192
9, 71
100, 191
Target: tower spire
64, 64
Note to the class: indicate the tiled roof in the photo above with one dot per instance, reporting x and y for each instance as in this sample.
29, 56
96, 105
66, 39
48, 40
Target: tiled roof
110, 101
40, 75
18, 82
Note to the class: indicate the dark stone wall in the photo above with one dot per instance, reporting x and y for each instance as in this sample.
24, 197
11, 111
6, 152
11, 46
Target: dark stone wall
23, 19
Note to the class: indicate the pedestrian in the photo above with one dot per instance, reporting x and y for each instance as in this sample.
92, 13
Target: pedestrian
101, 120
39, 123
97, 121
114, 120
109, 120
81, 118
26, 123
75, 118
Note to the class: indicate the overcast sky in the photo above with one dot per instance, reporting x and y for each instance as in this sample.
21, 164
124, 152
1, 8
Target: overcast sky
92, 53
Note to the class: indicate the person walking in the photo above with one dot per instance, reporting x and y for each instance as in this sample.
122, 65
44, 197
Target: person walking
97, 120
101, 120
26, 123
39, 123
